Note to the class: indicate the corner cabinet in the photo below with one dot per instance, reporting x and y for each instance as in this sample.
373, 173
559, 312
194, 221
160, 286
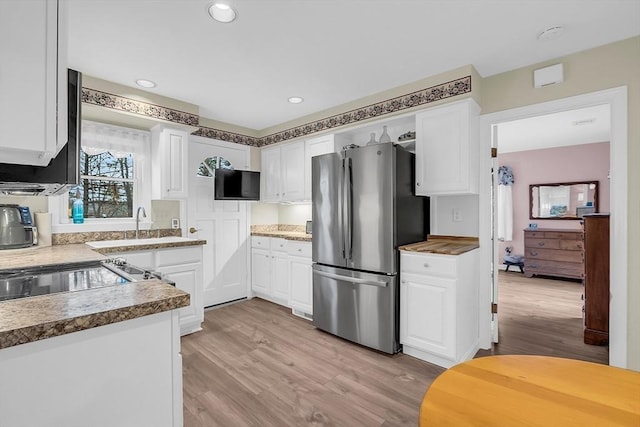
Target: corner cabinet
315, 147
33, 80
439, 306
447, 149
169, 163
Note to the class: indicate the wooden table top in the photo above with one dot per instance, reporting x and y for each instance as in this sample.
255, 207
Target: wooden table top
532, 391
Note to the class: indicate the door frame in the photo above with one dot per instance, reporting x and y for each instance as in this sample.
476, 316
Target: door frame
616, 98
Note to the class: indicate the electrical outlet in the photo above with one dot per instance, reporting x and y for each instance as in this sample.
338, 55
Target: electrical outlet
175, 223
456, 215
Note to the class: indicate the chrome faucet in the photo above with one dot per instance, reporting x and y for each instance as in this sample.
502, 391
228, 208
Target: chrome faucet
144, 215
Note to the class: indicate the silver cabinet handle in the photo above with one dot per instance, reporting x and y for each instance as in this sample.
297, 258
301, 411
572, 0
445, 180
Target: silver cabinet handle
426, 265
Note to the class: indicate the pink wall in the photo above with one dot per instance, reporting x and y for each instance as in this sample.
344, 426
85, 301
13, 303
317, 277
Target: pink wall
564, 164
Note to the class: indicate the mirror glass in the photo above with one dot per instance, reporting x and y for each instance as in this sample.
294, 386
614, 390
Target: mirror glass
564, 200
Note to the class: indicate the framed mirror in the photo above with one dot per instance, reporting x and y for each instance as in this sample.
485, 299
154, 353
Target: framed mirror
563, 200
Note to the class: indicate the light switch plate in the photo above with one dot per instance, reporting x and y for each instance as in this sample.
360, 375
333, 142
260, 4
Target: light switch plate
175, 223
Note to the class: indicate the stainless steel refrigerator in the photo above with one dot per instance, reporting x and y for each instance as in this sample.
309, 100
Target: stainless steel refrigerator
363, 209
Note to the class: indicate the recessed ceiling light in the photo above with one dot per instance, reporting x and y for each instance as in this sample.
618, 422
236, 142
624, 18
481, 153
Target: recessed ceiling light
145, 83
222, 12
552, 33
296, 100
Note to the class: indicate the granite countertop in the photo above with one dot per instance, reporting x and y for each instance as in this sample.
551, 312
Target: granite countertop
446, 245
129, 245
289, 235
35, 318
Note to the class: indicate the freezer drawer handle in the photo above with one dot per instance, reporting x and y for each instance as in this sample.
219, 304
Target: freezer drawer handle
353, 279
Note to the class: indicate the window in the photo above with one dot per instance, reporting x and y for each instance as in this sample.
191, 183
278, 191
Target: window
209, 164
111, 169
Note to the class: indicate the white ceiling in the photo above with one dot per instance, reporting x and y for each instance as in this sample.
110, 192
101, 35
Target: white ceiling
574, 127
328, 51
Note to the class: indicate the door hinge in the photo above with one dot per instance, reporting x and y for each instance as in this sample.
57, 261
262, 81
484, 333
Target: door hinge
494, 152
494, 308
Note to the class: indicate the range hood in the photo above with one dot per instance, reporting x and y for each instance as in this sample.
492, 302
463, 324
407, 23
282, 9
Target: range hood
62, 172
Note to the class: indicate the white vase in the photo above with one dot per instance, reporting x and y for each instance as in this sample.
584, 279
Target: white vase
385, 136
372, 140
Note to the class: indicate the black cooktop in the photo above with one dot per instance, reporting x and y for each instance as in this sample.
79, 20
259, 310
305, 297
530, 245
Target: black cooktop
44, 280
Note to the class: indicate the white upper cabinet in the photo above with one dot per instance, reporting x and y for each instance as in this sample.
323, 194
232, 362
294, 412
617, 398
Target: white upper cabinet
315, 147
33, 80
447, 149
282, 173
169, 163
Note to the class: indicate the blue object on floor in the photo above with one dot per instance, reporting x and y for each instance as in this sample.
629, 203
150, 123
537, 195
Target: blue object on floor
515, 260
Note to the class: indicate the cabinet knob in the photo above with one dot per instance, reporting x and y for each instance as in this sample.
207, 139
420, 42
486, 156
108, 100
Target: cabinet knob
299, 250
540, 243
426, 265
417, 184
533, 253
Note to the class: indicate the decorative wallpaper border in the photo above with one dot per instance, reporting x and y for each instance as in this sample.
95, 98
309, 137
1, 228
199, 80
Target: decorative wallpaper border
224, 135
424, 96
120, 103
420, 97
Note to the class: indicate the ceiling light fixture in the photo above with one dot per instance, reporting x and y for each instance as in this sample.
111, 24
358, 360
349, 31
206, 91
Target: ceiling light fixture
222, 12
296, 99
145, 83
552, 33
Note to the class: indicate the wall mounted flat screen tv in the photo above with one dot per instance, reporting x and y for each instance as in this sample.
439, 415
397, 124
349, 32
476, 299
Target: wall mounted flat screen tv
231, 184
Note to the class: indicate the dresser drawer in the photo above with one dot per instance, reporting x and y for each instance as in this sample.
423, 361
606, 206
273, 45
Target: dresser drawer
533, 234
542, 243
565, 235
554, 255
429, 264
571, 245
553, 268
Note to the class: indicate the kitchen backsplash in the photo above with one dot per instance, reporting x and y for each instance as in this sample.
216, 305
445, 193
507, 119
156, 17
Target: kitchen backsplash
163, 211
91, 236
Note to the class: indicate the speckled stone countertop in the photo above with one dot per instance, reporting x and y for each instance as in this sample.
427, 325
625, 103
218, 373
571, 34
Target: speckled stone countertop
446, 245
47, 255
147, 244
289, 235
36, 318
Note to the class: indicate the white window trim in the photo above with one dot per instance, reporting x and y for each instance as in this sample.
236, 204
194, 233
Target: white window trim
59, 205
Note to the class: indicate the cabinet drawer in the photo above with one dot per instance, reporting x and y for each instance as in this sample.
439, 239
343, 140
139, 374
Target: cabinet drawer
431, 264
562, 235
165, 257
571, 245
260, 242
534, 234
542, 243
554, 255
301, 249
278, 244
554, 268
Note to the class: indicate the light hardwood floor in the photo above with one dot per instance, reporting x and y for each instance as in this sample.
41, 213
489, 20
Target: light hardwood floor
255, 364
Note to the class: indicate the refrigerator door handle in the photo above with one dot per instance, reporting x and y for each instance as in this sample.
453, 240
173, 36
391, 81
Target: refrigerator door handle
349, 203
352, 279
341, 211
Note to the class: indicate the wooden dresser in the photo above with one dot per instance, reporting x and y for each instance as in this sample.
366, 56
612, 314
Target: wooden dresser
596, 279
554, 252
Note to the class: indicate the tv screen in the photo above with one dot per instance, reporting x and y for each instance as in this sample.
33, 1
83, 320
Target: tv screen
233, 184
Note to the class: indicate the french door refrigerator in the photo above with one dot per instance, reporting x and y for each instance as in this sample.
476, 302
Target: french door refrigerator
363, 209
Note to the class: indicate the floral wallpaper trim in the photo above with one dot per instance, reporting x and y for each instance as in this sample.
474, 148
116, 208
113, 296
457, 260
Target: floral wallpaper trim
424, 96
116, 102
224, 135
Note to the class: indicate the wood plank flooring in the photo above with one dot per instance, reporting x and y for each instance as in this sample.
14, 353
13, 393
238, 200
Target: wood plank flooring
255, 364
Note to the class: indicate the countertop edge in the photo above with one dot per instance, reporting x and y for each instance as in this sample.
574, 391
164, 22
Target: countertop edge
146, 247
453, 245
139, 299
303, 237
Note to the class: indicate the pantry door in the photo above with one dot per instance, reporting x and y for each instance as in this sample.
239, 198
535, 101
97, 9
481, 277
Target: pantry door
223, 224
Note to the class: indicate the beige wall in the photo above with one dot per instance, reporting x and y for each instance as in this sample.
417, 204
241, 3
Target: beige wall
605, 67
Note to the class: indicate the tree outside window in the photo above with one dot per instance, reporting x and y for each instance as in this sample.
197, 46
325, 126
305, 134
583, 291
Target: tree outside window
107, 185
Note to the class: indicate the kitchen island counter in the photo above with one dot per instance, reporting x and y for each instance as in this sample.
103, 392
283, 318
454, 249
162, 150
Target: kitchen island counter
47, 255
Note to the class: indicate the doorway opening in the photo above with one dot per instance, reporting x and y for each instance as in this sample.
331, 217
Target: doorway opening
615, 99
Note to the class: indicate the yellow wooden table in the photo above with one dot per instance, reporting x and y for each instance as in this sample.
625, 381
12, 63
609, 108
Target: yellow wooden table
532, 391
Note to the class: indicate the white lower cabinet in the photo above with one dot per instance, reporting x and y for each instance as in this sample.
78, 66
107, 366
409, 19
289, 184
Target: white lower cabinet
281, 273
182, 265
439, 306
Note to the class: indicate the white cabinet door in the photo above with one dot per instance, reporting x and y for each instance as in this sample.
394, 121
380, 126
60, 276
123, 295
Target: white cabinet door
292, 170
280, 276
187, 278
33, 80
260, 271
301, 289
428, 314
447, 149
315, 147
270, 175
169, 168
